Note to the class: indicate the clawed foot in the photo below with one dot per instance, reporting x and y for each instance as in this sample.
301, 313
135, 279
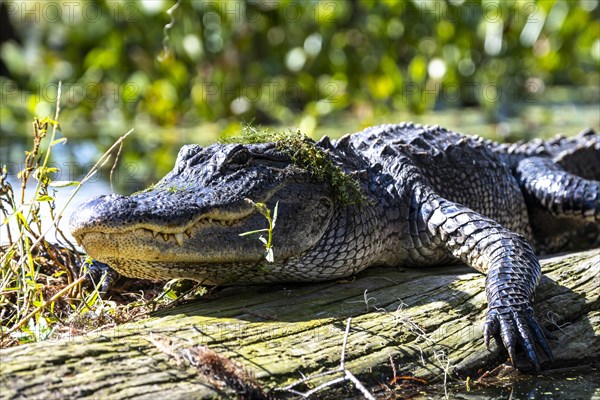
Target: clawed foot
101, 274
516, 323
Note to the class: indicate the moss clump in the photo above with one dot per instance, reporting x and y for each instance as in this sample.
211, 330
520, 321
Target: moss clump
306, 155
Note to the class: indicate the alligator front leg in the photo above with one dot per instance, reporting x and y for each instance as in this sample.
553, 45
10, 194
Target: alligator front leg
509, 262
552, 188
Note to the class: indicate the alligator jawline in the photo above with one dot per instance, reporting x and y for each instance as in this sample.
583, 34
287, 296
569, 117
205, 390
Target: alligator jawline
178, 235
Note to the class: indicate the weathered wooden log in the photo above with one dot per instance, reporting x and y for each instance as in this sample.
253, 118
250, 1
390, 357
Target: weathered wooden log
427, 322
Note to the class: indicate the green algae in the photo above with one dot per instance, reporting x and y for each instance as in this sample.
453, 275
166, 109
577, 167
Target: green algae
304, 153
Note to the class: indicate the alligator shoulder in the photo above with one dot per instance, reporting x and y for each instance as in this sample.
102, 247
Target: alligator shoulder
431, 195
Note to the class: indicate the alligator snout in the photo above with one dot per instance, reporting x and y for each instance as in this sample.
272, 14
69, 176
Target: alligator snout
115, 213
100, 212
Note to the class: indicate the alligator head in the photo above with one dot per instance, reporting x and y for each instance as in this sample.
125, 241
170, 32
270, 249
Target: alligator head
188, 225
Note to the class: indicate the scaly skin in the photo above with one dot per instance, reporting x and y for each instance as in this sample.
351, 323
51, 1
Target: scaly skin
433, 196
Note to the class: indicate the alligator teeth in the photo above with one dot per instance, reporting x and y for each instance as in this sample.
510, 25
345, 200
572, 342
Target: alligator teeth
209, 220
179, 238
165, 237
107, 236
154, 234
188, 233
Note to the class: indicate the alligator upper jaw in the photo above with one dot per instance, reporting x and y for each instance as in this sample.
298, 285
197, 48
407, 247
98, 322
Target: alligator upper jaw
175, 234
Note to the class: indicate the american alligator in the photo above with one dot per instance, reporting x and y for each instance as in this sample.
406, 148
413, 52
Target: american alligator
430, 196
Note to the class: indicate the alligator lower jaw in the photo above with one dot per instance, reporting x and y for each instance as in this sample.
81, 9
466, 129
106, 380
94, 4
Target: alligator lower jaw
172, 234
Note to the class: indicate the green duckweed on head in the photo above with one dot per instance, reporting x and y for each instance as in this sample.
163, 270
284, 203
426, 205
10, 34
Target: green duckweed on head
305, 154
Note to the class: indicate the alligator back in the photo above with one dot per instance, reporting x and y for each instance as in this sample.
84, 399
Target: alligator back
463, 169
484, 176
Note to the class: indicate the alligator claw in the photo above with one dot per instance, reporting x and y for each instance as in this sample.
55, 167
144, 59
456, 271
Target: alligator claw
516, 324
539, 332
98, 272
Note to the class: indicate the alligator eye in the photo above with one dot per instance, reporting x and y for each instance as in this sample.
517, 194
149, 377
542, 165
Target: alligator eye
240, 158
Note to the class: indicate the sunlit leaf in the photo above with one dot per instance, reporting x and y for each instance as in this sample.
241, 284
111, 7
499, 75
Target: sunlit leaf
275, 210
269, 256
21, 217
254, 232
44, 197
64, 183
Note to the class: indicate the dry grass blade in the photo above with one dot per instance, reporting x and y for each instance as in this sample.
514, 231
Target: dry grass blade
38, 279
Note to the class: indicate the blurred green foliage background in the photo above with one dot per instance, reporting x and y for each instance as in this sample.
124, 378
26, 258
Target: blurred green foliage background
324, 66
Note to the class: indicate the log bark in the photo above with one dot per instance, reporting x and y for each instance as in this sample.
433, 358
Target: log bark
427, 322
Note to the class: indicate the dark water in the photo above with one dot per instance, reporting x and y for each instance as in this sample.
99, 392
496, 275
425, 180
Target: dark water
576, 383
581, 385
